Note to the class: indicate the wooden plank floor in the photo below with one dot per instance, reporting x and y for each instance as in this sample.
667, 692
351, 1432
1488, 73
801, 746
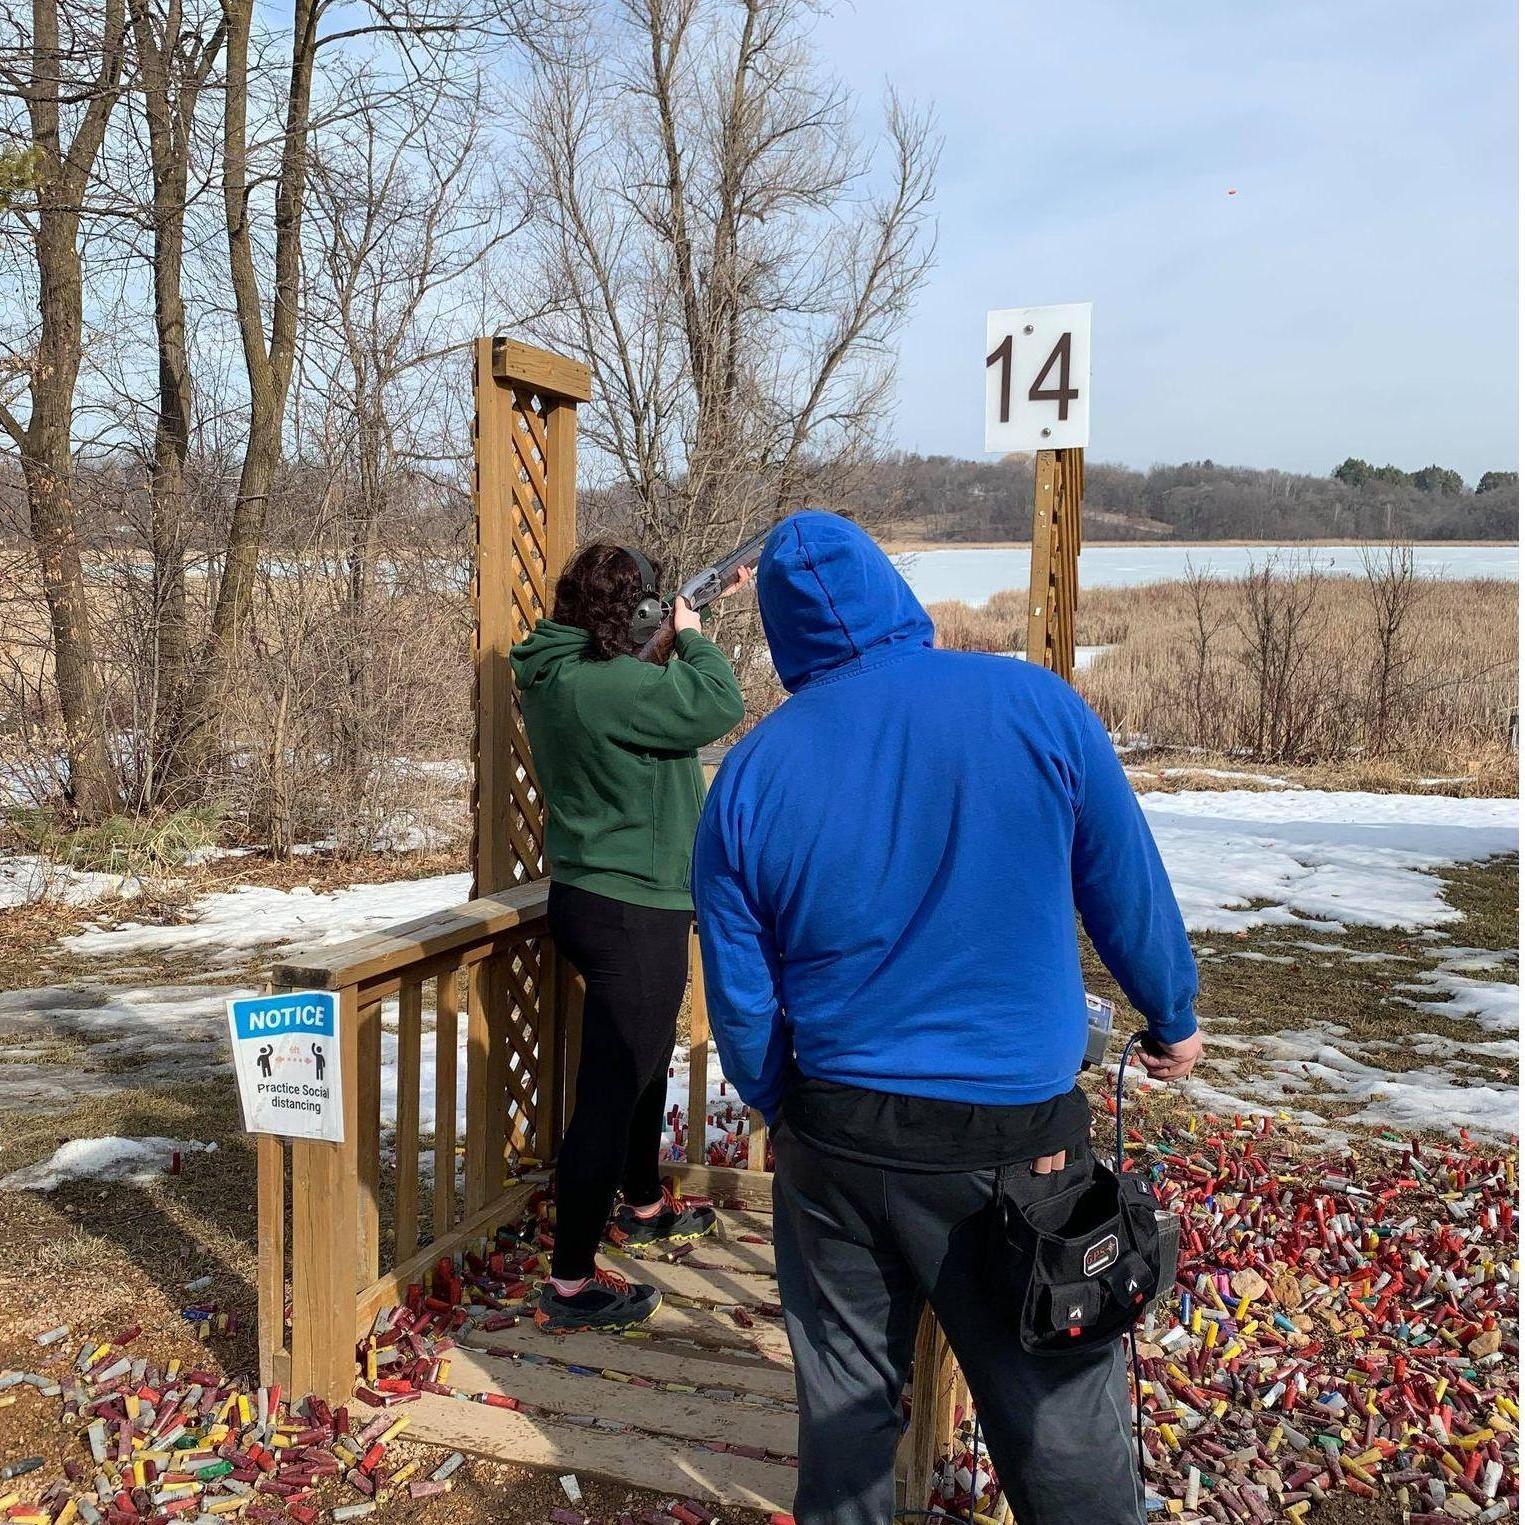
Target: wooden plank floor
653, 1407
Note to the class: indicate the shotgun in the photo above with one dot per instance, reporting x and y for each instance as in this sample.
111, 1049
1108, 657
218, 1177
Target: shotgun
653, 625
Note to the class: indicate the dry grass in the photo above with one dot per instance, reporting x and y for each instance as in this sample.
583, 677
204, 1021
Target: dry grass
1290, 672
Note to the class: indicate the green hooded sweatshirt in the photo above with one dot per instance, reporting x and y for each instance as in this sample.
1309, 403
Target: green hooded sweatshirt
615, 746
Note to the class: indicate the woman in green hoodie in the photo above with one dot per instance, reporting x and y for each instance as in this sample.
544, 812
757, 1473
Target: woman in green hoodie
615, 744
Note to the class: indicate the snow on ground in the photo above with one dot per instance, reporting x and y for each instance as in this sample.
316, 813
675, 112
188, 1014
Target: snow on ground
1338, 858
238, 921
722, 1101
116, 1038
25, 878
102, 1159
1488, 1003
1270, 780
1324, 1060
1085, 656
1238, 859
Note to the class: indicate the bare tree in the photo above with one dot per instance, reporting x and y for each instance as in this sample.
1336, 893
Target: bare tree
176, 52
268, 350
1206, 622
427, 39
66, 75
1285, 656
1392, 595
720, 250
407, 216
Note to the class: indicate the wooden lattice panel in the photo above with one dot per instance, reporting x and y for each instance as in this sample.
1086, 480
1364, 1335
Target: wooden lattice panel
512, 591
525, 432
521, 979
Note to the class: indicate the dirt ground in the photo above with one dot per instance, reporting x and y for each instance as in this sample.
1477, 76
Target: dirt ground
101, 1257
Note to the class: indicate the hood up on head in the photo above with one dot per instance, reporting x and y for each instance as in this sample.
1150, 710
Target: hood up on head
830, 598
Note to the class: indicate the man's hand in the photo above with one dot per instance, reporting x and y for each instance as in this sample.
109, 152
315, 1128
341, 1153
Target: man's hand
1170, 1061
684, 615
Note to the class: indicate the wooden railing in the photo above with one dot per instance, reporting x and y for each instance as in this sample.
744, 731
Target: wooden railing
491, 960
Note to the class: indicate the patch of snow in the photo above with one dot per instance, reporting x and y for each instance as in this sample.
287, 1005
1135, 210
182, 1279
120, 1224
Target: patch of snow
1250, 778
26, 879
721, 1100
1336, 858
198, 856
1469, 960
1227, 1104
1085, 656
1491, 1004
1322, 1060
428, 1071
133, 1036
260, 917
102, 1159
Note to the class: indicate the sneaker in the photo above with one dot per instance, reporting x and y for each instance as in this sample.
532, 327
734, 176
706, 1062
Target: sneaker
607, 1302
678, 1222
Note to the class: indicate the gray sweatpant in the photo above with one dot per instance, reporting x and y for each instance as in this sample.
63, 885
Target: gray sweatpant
860, 1249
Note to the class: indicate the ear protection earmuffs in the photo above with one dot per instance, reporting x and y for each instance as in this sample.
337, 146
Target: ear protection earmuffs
651, 609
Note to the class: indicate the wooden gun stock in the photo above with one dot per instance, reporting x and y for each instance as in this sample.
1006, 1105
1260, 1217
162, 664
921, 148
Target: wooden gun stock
659, 648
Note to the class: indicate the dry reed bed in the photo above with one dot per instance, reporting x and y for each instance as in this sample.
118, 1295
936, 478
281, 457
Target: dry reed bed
1379, 681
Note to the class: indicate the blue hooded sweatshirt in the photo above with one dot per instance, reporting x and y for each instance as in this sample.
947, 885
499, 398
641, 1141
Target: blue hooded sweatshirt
887, 868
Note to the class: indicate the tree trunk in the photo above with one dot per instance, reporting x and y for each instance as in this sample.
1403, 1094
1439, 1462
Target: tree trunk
92, 787
46, 445
268, 364
172, 69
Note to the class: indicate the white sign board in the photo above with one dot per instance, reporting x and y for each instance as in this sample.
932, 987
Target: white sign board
286, 1056
1038, 378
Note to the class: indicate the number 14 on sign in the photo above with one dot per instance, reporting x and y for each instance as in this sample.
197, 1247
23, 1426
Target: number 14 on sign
1038, 378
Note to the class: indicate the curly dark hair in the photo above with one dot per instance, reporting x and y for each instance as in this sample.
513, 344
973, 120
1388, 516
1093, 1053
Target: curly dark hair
598, 591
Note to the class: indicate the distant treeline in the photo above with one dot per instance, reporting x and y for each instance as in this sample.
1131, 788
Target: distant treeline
944, 498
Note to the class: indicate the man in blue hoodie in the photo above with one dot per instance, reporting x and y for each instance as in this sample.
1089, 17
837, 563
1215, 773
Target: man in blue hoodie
886, 878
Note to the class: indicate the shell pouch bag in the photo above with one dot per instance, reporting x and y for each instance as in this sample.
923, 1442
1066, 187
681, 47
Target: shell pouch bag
1080, 1268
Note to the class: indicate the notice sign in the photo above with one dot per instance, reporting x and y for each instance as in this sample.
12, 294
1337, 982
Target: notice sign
1038, 378
286, 1054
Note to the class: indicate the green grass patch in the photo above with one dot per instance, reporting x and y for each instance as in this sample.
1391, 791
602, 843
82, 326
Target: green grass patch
137, 846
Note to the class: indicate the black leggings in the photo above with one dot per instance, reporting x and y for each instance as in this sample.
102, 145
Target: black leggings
634, 962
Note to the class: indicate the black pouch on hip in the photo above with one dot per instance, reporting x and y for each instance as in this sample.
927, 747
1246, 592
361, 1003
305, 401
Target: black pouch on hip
1079, 1269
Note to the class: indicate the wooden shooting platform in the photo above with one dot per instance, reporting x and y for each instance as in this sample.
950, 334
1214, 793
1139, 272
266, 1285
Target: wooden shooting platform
345, 1229
713, 1383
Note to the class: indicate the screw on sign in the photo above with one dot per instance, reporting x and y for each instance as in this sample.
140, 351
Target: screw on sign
1341, 1325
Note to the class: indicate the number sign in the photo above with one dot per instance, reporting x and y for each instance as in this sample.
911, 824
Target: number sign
1038, 378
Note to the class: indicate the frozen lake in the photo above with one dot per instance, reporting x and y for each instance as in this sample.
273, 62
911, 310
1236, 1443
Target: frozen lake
972, 575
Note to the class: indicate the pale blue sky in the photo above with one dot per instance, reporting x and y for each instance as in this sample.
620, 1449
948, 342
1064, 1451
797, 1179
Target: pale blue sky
1357, 295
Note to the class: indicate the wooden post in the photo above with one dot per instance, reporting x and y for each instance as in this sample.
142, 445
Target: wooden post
270, 1169
1054, 586
410, 1002
446, 1002
526, 526
479, 1149
324, 1212
366, 1089
695, 1151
